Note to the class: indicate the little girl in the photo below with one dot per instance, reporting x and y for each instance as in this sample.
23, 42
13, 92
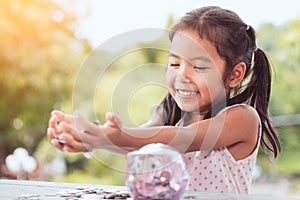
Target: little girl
215, 112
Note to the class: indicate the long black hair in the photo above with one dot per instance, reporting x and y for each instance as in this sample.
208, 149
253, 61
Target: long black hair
235, 42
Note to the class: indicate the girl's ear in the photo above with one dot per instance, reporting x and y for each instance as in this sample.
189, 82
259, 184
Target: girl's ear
237, 75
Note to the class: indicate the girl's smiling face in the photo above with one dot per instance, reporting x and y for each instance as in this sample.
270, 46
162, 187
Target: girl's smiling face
195, 73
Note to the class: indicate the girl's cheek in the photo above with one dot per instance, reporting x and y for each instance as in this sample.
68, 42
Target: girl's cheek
214, 88
170, 76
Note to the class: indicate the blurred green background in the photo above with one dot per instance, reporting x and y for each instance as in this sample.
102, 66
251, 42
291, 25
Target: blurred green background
40, 56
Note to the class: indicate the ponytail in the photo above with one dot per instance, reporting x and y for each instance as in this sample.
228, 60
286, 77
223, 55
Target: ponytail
261, 89
257, 94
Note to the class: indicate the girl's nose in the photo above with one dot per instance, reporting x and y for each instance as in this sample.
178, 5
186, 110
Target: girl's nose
184, 73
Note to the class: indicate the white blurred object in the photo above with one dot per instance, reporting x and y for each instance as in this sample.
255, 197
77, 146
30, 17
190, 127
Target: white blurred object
57, 167
20, 162
20, 152
29, 165
12, 163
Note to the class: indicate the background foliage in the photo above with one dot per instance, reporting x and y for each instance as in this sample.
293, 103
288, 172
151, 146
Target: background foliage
40, 56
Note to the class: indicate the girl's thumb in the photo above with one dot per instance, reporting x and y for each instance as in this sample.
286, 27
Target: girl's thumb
113, 119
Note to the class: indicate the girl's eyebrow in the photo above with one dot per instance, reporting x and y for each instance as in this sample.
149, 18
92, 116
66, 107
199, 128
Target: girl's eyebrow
201, 58
173, 55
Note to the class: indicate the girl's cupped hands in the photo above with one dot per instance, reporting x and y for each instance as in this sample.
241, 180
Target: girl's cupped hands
77, 134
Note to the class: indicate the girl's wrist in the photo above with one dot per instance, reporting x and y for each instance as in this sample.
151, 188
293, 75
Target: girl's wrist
112, 138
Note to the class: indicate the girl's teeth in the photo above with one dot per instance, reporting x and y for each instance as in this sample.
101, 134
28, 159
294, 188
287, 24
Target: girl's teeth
186, 93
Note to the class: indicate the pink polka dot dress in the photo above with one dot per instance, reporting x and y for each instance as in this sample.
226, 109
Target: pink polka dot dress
217, 170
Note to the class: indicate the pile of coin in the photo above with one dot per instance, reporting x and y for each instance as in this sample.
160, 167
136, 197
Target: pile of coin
80, 193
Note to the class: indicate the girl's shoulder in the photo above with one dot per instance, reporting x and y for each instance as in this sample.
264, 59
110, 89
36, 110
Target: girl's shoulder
243, 113
241, 107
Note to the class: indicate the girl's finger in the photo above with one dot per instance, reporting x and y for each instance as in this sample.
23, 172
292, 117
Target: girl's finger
113, 120
53, 124
83, 125
66, 142
57, 144
96, 122
50, 133
60, 116
87, 140
71, 137
73, 145
70, 130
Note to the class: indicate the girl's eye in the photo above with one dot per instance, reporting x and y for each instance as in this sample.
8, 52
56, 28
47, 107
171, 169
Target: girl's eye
200, 67
174, 65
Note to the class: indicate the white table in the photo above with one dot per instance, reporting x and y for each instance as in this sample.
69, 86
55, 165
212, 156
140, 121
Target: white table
34, 190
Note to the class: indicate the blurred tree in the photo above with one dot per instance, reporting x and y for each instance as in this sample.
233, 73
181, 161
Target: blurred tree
282, 43
170, 21
39, 55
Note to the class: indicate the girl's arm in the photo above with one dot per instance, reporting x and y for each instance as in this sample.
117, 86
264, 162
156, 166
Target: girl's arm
237, 126
59, 119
